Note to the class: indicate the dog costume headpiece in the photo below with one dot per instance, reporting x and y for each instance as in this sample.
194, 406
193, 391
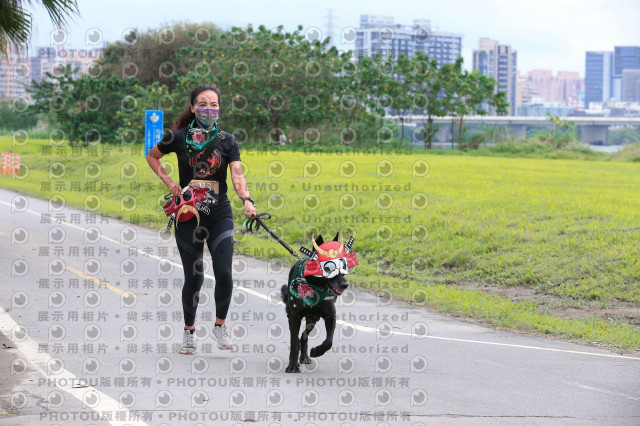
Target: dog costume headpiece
329, 259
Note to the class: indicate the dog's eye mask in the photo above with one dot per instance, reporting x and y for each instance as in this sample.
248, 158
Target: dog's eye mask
329, 259
331, 268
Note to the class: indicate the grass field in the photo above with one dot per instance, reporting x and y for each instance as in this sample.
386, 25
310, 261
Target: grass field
436, 230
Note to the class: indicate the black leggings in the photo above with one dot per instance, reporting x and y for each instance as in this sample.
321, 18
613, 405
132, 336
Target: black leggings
217, 230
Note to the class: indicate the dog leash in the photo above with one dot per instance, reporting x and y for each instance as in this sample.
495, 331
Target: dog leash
254, 223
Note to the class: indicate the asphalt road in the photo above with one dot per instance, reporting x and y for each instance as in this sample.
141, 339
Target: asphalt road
92, 309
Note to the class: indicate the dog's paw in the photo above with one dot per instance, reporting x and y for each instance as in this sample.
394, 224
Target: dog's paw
292, 369
305, 360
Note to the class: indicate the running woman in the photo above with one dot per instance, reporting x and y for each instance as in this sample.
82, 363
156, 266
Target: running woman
204, 152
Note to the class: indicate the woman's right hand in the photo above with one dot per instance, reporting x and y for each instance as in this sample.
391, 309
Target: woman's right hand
175, 188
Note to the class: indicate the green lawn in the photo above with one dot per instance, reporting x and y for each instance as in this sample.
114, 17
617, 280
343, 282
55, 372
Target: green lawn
422, 223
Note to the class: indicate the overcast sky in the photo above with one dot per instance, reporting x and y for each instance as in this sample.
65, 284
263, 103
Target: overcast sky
548, 34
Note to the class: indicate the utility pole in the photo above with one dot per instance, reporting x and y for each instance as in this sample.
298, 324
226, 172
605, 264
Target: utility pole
330, 26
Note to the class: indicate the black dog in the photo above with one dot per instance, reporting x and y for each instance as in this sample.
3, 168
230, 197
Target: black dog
314, 285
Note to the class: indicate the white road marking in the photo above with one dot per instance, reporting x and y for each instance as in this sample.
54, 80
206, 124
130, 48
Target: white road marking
539, 348
363, 328
40, 360
602, 390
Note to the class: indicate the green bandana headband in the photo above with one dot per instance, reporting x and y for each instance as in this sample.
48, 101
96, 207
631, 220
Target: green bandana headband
198, 139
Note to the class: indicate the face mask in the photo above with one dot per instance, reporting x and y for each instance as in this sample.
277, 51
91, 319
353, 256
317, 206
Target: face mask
207, 116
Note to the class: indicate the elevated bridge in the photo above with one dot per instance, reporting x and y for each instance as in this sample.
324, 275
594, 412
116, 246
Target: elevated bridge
590, 129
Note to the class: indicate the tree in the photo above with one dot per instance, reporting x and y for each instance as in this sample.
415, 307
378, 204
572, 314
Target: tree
270, 78
360, 85
499, 102
567, 131
84, 109
431, 83
152, 56
10, 119
402, 90
15, 21
447, 90
131, 114
624, 135
471, 90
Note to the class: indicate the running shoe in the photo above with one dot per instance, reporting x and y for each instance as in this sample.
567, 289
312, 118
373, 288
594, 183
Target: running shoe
222, 336
188, 343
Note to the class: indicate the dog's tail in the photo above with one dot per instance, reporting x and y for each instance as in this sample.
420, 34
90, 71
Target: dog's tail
284, 293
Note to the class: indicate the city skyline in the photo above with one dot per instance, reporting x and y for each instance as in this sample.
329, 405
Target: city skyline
550, 35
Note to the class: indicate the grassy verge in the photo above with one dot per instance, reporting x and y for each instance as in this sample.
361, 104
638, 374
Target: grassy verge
5, 413
565, 228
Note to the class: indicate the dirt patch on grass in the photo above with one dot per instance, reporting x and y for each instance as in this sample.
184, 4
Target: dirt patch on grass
626, 312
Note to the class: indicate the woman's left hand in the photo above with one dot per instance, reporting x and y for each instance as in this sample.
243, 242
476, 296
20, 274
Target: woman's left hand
249, 209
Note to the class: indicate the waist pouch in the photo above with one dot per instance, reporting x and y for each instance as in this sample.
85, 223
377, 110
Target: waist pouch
188, 204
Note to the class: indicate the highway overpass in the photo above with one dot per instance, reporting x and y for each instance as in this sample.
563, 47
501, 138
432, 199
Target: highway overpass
590, 129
